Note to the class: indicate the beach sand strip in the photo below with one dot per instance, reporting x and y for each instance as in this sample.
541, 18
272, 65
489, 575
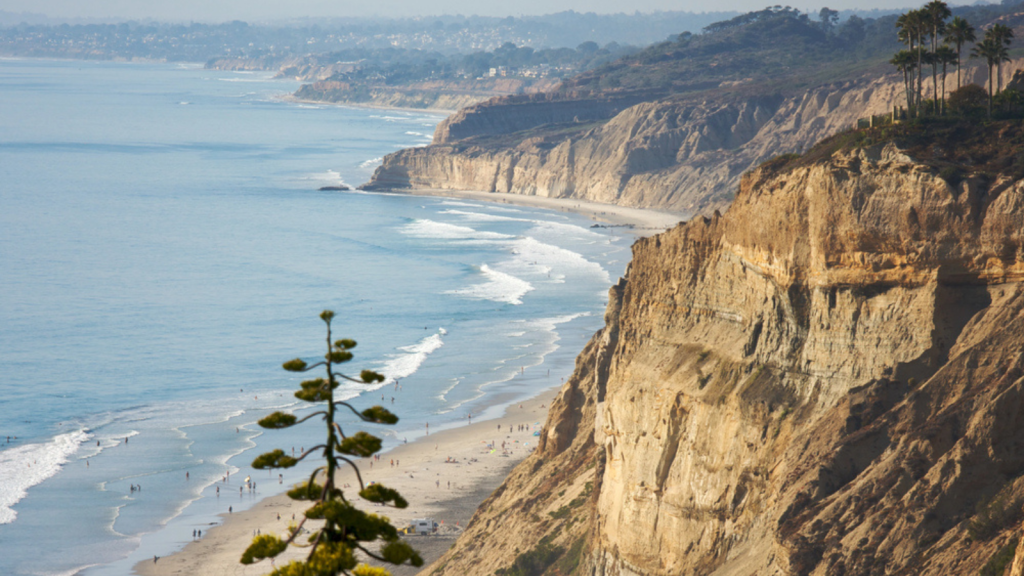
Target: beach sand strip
444, 475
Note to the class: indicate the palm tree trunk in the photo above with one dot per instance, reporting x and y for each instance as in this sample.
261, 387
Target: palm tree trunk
943, 110
935, 69
958, 47
907, 79
920, 70
990, 89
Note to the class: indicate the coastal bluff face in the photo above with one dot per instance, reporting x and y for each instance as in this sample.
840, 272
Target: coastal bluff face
682, 153
675, 154
828, 379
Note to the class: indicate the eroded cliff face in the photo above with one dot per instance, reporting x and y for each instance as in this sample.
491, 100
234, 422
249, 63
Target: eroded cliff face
682, 154
829, 379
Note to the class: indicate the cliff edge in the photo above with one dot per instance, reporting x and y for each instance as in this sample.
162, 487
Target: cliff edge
828, 379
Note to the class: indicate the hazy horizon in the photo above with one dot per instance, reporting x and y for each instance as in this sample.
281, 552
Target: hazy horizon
264, 11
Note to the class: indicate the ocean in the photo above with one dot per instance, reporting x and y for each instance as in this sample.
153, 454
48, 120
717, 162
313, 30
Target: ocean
164, 247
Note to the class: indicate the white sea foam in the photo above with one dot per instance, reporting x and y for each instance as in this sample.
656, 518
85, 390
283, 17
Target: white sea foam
443, 395
245, 79
326, 178
479, 206
409, 359
25, 466
371, 162
560, 229
482, 217
423, 228
499, 287
531, 253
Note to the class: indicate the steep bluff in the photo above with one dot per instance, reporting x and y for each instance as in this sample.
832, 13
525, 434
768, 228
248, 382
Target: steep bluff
828, 379
675, 153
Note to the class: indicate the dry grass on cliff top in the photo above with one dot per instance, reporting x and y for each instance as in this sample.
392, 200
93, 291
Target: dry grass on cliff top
955, 147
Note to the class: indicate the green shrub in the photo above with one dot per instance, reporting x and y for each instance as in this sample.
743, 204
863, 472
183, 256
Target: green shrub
970, 101
994, 515
953, 175
996, 565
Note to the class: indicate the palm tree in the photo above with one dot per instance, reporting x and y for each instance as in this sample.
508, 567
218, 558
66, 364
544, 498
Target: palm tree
904, 61
988, 49
937, 12
912, 27
1002, 35
958, 33
945, 55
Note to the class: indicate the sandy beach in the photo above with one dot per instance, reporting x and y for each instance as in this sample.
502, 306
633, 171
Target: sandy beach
641, 221
444, 475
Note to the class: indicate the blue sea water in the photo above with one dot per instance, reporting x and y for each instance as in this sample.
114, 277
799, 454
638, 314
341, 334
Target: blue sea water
163, 248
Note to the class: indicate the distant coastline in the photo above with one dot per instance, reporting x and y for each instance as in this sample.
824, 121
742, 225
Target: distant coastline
641, 221
293, 99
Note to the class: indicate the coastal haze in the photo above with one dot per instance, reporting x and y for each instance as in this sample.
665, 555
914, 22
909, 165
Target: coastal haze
265, 10
653, 289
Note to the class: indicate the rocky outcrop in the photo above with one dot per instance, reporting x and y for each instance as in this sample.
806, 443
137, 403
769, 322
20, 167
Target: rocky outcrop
682, 154
829, 379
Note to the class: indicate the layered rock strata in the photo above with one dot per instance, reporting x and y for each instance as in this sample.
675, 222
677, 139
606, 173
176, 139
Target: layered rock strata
675, 153
829, 379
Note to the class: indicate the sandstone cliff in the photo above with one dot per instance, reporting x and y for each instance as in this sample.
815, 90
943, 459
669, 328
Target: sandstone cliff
829, 379
681, 153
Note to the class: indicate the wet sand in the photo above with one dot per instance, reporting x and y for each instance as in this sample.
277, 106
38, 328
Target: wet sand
421, 475
642, 221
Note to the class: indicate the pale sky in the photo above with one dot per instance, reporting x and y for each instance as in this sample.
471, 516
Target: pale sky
261, 10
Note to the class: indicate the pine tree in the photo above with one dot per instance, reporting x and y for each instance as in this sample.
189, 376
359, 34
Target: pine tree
346, 529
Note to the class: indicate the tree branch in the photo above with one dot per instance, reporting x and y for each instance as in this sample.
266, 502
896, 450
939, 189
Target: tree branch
296, 532
370, 554
310, 416
310, 451
354, 411
356, 468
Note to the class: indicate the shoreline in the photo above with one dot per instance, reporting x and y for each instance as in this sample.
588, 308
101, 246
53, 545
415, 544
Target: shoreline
291, 98
641, 221
423, 474
422, 477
